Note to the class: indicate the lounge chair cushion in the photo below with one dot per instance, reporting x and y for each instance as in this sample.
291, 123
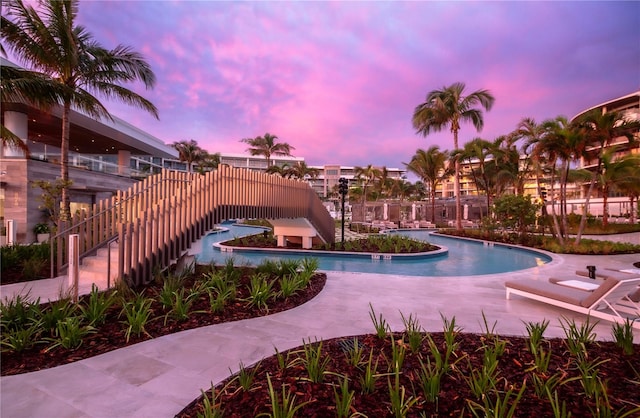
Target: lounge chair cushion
550, 290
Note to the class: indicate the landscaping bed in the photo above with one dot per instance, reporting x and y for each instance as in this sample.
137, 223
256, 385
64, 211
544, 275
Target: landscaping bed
447, 373
36, 337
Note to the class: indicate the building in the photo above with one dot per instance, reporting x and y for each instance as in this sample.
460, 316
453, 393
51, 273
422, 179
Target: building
101, 156
329, 175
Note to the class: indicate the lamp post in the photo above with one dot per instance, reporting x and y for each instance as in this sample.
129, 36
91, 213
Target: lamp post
343, 189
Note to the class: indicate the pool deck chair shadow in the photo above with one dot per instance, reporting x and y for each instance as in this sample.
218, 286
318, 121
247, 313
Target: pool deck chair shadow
609, 300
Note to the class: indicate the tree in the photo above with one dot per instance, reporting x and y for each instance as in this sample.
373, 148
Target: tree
515, 211
448, 107
631, 187
367, 175
267, 146
600, 129
614, 174
208, 162
189, 152
431, 167
66, 55
478, 151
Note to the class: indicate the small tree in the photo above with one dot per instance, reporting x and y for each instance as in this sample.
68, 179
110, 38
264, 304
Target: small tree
515, 211
51, 198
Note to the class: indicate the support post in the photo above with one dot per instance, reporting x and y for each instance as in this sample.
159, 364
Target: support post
74, 262
343, 189
12, 229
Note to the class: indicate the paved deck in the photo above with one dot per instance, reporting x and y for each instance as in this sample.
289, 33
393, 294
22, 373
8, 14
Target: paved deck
158, 378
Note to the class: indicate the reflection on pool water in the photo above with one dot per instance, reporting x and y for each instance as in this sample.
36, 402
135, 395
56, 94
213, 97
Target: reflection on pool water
464, 258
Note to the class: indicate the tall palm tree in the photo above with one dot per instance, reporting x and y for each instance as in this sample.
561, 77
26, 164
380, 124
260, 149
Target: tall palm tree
531, 132
367, 175
51, 43
431, 166
267, 146
600, 129
189, 152
449, 107
300, 170
615, 173
208, 162
631, 188
479, 151
561, 144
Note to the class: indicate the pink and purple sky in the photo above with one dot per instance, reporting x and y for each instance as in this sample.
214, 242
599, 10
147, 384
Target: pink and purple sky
339, 80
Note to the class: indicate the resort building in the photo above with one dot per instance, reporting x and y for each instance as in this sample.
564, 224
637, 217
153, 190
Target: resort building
101, 156
326, 183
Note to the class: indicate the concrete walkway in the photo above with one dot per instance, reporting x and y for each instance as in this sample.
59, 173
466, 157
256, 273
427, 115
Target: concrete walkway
158, 378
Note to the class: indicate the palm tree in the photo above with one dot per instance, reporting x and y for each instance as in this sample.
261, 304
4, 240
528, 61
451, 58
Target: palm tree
562, 143
300, 170
600, 129
66, 54
24, 86
631, 187
531, 132
615, 173
189, 152
449, 108
208, 162
266, 146
431, 167
368, 175
479, 151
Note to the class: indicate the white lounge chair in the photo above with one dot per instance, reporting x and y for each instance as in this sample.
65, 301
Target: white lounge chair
609, 300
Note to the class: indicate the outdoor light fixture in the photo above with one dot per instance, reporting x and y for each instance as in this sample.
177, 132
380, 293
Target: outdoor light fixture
343, 189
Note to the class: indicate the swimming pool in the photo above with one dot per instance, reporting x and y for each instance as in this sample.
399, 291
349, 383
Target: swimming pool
464, 258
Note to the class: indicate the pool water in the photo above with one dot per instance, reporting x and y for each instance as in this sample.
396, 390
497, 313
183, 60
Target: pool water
464, 258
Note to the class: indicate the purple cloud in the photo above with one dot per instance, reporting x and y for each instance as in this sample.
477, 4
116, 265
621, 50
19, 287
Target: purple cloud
339, 80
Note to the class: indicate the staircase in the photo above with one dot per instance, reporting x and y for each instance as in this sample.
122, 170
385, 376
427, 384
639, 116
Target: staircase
93, 269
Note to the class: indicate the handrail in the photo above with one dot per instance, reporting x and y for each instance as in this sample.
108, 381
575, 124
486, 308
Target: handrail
111, 241
155, 223
56, 241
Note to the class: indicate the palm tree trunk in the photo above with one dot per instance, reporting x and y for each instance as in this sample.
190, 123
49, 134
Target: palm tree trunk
554, 217
632, 210
433, 205
605, 210
585, 209
65, 210
456, 184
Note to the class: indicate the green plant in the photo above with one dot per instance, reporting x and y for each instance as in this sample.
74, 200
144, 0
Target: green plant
41, 228
623, 336
398, 353
413, 332
246, 377
314, 361
353, 351
502, 406
430, 377
137, 312
344, 399
289, 285
483, 379
22, 338
56, 312
69, 333
379, 323
218, 300
170, 284
32, 268
578, 338
283, 406
559, 409
19, 312
211, 408
369, 375
95, 308
260, 291
400, 403
181, 304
